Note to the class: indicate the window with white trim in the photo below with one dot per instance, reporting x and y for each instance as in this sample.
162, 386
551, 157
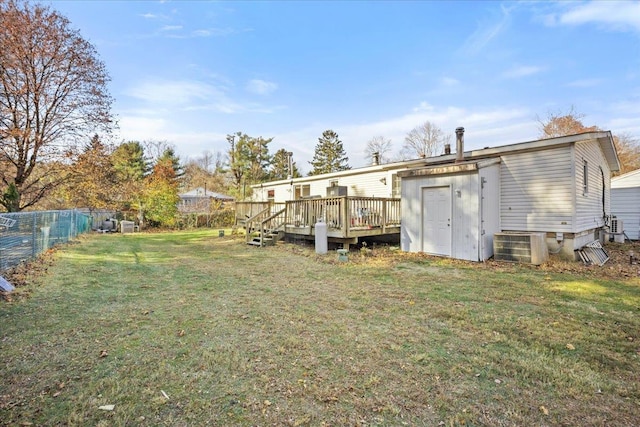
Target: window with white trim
585, 178
396, 188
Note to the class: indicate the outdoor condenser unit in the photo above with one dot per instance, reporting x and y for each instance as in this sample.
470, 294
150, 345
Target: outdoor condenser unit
336, 191
616, 226
530, 248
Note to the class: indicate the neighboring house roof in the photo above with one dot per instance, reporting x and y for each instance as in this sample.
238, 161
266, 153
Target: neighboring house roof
204, 194
628, 180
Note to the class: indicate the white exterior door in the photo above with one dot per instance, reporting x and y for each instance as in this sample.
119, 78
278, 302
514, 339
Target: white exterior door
436, 220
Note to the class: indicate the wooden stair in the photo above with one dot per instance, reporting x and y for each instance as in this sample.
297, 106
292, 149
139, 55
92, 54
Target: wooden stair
269, 238
265, 228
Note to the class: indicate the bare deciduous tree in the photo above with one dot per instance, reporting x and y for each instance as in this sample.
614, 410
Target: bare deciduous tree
570, 123
628, 149
154, 149
561, 123
380, 145
425, 140
52, 94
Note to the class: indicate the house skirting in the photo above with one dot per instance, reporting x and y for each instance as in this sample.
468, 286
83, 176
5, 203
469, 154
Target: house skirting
566, 248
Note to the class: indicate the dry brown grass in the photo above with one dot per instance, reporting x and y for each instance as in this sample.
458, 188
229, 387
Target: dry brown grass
191, 329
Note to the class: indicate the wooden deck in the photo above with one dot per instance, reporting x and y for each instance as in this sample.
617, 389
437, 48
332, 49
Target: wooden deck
348, 219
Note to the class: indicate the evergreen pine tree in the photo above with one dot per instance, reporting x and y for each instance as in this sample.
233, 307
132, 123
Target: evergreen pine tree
280, 166
329, 155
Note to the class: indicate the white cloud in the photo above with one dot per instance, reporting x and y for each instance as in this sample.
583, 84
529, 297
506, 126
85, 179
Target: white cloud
171, 28
422, 107
139, 128
522, 71
449, 81
174, 93
212, 32
612, 15
585, 83
261, 87
485, 33
625, 117
484, 127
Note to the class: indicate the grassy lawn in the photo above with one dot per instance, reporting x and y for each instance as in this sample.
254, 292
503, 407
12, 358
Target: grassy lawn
189, 329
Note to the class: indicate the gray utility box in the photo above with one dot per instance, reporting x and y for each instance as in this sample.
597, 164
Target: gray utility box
127, 226
337, 191
530, 248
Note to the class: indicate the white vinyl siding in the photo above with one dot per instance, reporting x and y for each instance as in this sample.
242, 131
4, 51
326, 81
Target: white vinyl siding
589, 205
625, 205
466, 224
536, 191
630, 179
490, 208
625, 202
366, 184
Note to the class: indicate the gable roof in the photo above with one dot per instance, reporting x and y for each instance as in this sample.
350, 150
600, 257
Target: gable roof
604, 138
205, 194
405, 164
628, 180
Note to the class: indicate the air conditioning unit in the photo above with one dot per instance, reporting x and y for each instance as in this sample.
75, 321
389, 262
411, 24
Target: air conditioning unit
616, 226
530, 248
336, 191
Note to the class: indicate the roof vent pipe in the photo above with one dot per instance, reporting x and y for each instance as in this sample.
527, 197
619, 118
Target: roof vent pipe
447, 148
459, 144
376, 158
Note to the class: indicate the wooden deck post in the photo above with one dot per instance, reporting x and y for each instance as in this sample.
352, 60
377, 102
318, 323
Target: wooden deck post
346, 214
384, 215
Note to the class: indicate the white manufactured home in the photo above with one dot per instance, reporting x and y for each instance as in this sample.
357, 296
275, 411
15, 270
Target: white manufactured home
378, 180
362, 203
625, 203
557, 188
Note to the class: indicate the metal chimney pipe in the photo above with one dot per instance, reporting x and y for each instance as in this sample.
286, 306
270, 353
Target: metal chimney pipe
289, 165
459, 144
447, 148
376, 158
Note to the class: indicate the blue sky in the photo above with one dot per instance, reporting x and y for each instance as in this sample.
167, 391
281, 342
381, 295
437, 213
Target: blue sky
191, 72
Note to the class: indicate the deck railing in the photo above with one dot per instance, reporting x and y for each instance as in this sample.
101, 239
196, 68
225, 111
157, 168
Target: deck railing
344, 214
245, 210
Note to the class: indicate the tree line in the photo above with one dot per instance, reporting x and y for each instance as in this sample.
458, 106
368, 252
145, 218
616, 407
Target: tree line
56, 142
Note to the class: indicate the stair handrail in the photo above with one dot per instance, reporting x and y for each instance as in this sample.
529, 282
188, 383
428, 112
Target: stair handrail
248, 223
269, 219
272, 217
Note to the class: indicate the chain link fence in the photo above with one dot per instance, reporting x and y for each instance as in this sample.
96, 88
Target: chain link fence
25, 235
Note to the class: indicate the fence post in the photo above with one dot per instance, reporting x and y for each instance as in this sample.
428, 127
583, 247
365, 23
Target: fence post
34, 249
